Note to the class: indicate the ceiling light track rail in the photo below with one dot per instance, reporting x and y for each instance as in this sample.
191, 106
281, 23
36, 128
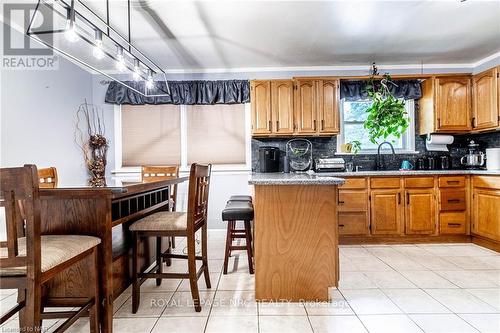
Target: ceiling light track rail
74, 16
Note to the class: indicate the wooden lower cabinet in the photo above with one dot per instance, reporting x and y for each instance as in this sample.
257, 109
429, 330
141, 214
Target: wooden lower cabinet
436, 208
386, 211
486, 213
420, 213
353, 223
452, 223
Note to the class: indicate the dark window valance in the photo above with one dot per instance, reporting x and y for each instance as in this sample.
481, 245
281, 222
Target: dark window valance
356, 90
183, 92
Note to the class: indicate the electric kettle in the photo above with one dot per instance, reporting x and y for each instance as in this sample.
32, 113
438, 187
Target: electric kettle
475, 158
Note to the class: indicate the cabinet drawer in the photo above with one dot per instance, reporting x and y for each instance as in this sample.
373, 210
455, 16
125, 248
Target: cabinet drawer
452, 181
491, 182
419, 182
452, 223
389, 182
354, 183
352, 200
353, 223
452, 200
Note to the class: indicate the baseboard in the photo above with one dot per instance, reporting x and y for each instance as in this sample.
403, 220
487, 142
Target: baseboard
486, 242
409, 239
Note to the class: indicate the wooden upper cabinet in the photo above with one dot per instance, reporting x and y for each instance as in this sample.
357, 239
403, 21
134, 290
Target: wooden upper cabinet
329, 106
386, 212
452, 105
306, 106
445, 105
420, 213
282, 106
260, 98
485, 113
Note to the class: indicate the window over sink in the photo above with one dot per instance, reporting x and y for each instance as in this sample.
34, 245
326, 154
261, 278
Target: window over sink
352, 116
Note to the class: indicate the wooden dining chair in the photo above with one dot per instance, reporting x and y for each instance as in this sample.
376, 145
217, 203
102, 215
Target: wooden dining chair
168, 224
156, 173
47, 177
29, 261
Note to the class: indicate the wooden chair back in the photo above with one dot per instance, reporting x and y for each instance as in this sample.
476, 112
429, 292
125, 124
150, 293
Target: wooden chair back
47, 177
20, 198
156, 173
199, 185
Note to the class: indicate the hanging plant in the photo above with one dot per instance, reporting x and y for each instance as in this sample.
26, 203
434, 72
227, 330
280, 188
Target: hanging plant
387, 115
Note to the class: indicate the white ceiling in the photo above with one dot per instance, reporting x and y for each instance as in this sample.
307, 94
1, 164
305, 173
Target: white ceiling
245, 34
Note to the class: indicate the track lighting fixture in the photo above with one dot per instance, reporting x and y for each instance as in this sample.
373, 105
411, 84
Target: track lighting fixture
77, 26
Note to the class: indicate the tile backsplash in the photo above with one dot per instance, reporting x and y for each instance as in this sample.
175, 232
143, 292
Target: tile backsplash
327, 146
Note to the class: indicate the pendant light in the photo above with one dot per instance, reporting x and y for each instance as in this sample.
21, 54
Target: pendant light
70, 34
137, 70
149, 82
97, 51
120, 59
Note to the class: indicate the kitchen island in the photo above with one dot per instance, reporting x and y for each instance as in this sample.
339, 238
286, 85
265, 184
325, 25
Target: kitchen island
296, 236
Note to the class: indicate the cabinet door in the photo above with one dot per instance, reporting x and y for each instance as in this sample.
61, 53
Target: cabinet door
306, 106
420, 211
486, 213
260, 98
329, 106
386, 212
282, 106
353, 223
453, 104
484, 100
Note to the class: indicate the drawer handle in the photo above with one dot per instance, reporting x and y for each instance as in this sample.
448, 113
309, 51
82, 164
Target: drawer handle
341, 225
452, 182
454, 225
453, 200
341, 202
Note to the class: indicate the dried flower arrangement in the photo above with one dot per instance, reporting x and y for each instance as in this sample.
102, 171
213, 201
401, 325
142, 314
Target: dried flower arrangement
93, 143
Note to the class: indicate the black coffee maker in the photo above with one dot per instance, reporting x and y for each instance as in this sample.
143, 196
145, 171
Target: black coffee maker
269, 159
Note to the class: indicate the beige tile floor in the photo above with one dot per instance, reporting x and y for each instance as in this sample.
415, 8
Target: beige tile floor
397, 288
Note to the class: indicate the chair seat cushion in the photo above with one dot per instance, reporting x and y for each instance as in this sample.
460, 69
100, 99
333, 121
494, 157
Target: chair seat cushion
241, 198
238, 210
56, 250
161, 221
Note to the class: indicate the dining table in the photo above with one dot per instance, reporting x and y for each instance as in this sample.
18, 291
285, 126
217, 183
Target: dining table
105, 212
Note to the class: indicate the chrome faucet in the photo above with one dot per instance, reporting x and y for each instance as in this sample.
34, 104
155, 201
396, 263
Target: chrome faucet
380, 165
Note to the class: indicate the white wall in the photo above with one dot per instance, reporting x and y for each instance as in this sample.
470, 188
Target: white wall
38, 109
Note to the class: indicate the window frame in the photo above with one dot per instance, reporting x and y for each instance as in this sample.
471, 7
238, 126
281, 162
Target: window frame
183, 167
408, 139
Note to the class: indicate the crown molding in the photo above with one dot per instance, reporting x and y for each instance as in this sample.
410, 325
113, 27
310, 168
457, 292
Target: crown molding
485, 60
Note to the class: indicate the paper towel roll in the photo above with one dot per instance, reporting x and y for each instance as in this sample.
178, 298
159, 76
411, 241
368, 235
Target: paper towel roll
435, 142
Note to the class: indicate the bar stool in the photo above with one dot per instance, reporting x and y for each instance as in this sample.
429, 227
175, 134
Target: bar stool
247, 198
238, 211
168, 224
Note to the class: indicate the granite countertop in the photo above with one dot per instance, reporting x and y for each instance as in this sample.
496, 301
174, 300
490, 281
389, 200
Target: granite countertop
335, 178
411, 173
294, 179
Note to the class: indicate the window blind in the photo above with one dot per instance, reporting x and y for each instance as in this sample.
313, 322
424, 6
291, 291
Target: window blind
216, 134
151, 135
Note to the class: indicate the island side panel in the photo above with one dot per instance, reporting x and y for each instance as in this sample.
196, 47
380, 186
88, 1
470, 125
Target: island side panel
296, 242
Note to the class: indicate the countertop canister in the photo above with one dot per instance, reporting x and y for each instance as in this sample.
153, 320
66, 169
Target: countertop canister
493, 158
